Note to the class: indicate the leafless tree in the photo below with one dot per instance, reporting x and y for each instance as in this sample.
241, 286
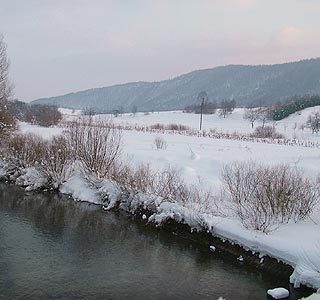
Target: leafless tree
134, 110
7, 121
226, 107
45, 115
314, 122
252, 115
89, 111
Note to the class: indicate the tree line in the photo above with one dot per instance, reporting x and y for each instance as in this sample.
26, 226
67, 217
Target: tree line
203, 105
37, 114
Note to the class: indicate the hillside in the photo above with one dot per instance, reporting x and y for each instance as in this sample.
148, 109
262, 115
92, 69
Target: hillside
263, 84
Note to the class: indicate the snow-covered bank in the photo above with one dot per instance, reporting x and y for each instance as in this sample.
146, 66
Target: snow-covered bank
289, 244
201, 160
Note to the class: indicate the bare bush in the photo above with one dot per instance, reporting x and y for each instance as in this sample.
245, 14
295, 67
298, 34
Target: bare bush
177, 127
170, 186
172, 126
265, 196
56, 164
166, 184
160, 143
139, 179
26, 150
96, 145
157, 126
266, 132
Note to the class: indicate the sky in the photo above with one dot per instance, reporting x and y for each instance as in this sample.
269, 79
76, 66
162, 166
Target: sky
61, 46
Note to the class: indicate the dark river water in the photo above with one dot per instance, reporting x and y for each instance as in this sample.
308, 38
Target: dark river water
54, 248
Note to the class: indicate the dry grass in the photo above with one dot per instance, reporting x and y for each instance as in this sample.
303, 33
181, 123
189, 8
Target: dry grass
160, 143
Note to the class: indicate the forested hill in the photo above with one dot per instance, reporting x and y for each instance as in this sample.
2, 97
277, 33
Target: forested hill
262, 84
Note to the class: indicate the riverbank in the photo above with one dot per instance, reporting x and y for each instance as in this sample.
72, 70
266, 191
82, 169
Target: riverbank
276, 253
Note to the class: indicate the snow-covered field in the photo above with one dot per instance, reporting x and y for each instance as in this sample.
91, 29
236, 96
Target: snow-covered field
201, 160
291, 127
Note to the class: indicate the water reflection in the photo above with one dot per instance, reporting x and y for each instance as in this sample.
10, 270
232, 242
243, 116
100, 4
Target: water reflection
54, 248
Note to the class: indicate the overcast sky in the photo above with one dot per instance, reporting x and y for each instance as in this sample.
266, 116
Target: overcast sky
61, 46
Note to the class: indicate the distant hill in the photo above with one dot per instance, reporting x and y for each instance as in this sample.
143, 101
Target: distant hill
263, 84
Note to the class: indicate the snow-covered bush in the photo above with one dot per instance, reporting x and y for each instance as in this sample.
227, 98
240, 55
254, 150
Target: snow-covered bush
265, 196
29, 156
96, 145
266, 132
166, 184
160, 143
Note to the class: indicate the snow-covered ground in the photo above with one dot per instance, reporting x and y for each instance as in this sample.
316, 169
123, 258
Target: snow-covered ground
201, 160
291, 127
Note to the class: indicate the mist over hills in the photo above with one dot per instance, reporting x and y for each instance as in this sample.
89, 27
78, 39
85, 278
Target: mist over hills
261, 84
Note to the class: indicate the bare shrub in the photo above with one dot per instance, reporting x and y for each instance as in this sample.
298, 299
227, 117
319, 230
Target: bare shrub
160, 143
177, 127
96, 145
265, 196
157, 126
26, 150
266, 132
57, 162
172, 126
170, 186
139, 179
166, 184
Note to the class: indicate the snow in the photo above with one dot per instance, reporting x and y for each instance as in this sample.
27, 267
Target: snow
312, 297
278, 293
212, 248
45, 132
32, 179
200, 161
70, 112
212, 154
80, 190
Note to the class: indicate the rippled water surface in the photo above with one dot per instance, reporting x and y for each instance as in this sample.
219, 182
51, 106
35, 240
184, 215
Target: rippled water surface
54, 248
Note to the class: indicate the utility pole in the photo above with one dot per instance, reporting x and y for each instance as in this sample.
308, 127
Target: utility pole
201, 111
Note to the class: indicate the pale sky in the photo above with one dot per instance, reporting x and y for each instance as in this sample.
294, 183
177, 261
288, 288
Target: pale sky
61, 46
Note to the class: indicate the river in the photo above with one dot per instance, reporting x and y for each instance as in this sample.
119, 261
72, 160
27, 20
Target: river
52, 247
